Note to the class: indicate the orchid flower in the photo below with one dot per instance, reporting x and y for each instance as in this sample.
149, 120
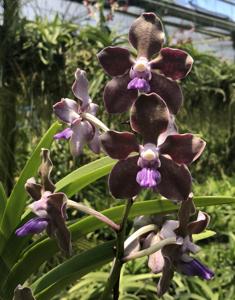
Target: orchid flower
176, 257
160, 167
142, 74
82, 129
48, 206
173, 257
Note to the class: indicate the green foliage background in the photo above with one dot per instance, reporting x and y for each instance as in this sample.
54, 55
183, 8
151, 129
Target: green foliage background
45, 57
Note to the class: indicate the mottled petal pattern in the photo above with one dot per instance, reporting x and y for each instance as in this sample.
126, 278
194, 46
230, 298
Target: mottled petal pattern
117, 98
119, 145
173, 63
146, 35
115, 60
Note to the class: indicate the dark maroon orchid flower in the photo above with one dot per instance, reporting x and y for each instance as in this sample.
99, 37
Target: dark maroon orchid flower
130, 76
161, 167
80, 131
48, 206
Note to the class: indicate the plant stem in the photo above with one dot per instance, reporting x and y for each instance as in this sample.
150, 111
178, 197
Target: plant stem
113, 280
90, 211
154, 248
95, 121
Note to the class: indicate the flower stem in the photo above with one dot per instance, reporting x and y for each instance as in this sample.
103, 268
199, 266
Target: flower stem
138, 233
95, 121
113, 280
154, 248
90, 211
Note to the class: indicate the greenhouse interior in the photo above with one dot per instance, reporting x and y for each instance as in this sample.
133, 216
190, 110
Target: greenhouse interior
117, 157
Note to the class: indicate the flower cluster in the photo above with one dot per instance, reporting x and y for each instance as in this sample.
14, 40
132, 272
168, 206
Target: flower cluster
154, 155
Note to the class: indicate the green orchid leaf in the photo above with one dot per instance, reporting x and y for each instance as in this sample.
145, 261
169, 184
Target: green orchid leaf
76, 267
85, 175
3, 200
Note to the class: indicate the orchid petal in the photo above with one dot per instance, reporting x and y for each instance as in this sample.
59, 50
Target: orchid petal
168, 90
57, 227
64, 134
115, 60
35, 225
173, 63
200, 224
94, 144
165, 279
171, 129
156, 260
83, 132
117, 98
146, 35
45, 171
80, 87
183, 148
119, 145
33, 189
176, 180
149, 117
66, 110
122, 179
195, 268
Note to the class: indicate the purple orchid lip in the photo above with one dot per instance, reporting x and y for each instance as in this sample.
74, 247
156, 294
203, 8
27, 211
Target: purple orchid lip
196, 268
35, 225
148, 178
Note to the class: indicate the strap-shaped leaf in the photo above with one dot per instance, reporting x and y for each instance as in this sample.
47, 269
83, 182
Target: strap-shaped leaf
46, 248
16, 202
69, 271
66, 273
3, 200
85, 175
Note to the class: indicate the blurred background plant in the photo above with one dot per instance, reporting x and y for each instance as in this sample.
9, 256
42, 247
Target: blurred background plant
38, 60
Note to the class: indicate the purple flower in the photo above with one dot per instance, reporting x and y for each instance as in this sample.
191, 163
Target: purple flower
80, 131
176, 257
48, 206
130, 76
161, 167
35, 225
